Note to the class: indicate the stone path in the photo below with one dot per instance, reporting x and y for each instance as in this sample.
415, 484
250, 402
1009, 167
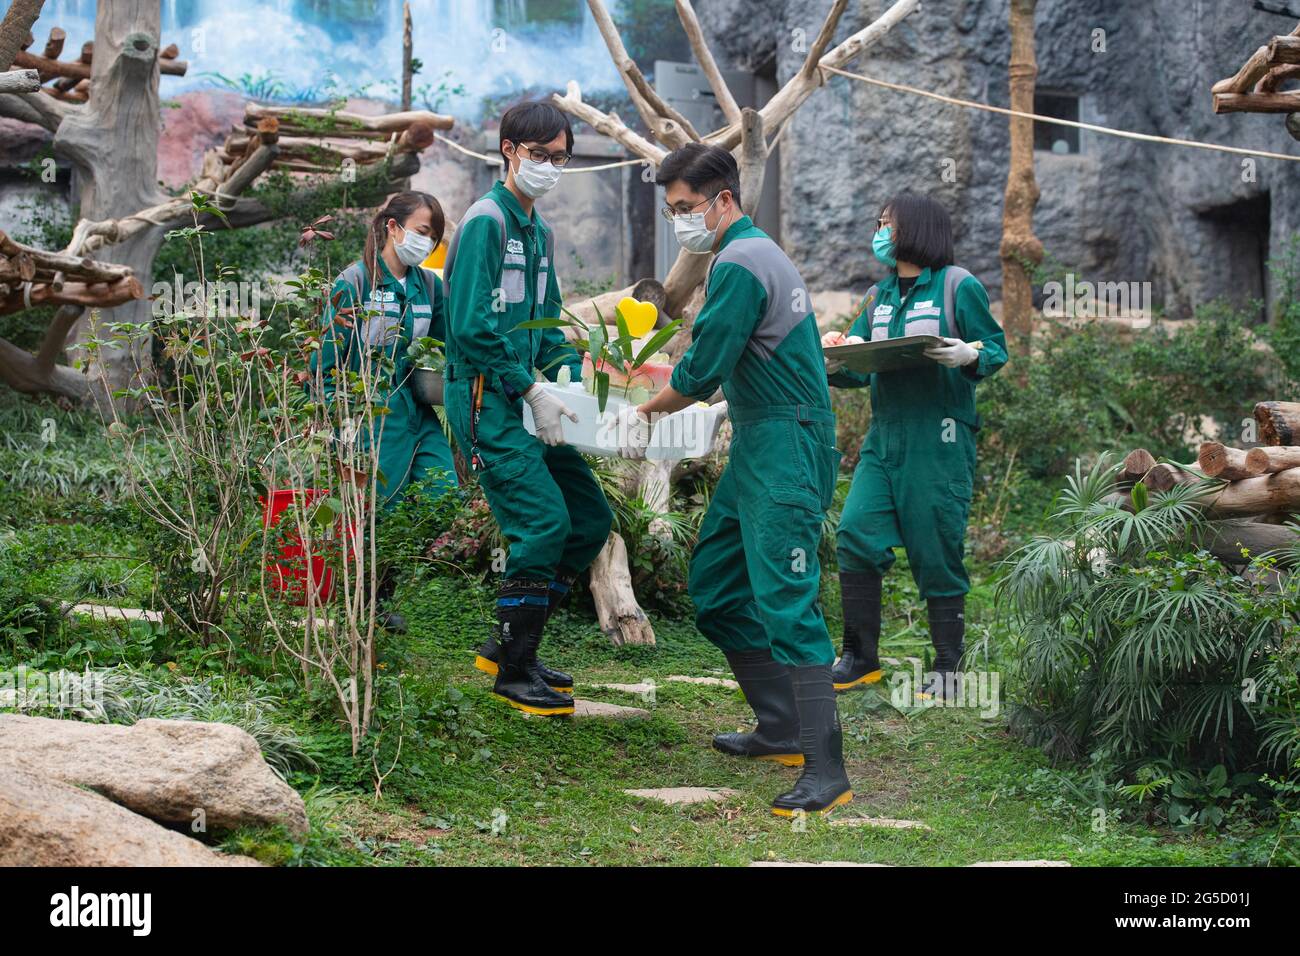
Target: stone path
711, 681
596, 708
883, 822
105, 612
683, 796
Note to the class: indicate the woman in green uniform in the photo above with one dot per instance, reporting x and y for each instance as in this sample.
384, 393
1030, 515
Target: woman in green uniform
913, 484
388, 301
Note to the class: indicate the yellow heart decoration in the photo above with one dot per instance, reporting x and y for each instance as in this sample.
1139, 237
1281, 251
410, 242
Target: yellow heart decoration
640, 317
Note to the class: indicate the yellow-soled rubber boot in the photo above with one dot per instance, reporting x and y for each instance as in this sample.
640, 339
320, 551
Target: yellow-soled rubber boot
859, 663
521, 613
824, 783
769, 693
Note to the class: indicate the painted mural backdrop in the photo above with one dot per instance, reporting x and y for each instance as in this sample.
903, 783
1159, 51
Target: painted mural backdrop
308, 50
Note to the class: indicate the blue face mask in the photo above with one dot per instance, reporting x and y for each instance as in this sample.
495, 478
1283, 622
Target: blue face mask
883, 246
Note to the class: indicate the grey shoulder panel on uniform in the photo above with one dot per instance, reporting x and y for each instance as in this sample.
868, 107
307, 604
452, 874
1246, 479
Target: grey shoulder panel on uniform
952, 278
788, 303
484, 207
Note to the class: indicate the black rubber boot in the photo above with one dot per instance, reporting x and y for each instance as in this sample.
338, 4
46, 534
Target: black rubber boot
387, 618
487, 657
824, 783
859, 662
521, 613
947, 633
770, 694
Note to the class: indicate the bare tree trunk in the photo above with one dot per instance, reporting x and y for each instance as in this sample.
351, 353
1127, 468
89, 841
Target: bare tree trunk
15, 27
408, 57
1021, 250
113, 144
620, 616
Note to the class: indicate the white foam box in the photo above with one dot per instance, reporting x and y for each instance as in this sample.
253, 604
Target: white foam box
690, 433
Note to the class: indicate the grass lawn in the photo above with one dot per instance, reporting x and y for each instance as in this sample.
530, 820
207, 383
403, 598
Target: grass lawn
550, 791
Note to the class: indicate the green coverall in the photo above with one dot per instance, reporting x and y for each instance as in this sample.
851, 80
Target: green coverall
755, 573
412, 444
914, 481
548, 504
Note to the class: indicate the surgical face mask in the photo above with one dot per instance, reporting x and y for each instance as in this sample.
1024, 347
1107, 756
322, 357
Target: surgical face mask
692, 233
883, 246
535, 180
414, 248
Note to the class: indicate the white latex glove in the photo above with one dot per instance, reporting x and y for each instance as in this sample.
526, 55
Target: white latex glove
547, 411
633, 432
829, 340
954, 353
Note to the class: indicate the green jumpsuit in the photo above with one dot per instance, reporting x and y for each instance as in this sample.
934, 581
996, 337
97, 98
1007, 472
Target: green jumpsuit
412, 444
913, 484
500, 273
755, 574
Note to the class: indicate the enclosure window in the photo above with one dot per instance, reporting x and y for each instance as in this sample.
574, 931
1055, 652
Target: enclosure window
1050, 137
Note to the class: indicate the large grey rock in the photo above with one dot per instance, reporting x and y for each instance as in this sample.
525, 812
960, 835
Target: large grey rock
1187, 220
172, 771
47, 823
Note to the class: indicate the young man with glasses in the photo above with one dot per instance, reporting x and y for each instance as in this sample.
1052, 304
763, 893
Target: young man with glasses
754, 573
500, 273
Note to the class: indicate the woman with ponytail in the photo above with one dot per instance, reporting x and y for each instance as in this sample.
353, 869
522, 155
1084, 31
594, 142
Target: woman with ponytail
378, 307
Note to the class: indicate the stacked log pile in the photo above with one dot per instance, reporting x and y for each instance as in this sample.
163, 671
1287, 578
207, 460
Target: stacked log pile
69, 80
32, 277
1254, 493
321, 141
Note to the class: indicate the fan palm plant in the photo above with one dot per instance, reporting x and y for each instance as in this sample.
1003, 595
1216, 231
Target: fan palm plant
1136, 644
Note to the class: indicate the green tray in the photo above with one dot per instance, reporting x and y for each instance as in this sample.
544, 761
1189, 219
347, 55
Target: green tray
887, 355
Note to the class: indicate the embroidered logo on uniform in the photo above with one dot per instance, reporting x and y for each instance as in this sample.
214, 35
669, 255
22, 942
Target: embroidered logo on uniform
924, 305
515, 245
884, 311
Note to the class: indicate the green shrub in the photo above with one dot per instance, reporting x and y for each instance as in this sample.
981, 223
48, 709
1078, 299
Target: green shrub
1141, 650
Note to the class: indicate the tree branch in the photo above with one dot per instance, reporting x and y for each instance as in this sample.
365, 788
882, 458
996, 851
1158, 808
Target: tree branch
15, 27
704, 57
793, 95
608, 124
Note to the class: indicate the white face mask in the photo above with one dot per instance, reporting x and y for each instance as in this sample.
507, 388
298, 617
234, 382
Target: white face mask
535, 180
414, 248
692, 233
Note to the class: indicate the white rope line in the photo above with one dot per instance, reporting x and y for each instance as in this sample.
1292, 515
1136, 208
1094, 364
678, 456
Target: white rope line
496, 160
1123, 134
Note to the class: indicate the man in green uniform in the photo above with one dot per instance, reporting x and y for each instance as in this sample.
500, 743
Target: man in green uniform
913, 484
501, 273
755, 573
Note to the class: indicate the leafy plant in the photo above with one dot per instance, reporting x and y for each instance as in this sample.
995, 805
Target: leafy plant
606, 353
1137, 645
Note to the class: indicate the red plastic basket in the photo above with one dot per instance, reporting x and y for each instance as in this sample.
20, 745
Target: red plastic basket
290, 566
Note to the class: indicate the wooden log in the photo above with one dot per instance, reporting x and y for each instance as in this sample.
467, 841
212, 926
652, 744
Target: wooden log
20, 81
79, 267
102, 295
1226, 540
1272, 459
321, 122
1257, 103
1165, 476
1136, 464
617, 610
1266, 494
1219, 461
1279, 423
54, 45
50, 68
1276, 77
1255, 68
1284, 50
